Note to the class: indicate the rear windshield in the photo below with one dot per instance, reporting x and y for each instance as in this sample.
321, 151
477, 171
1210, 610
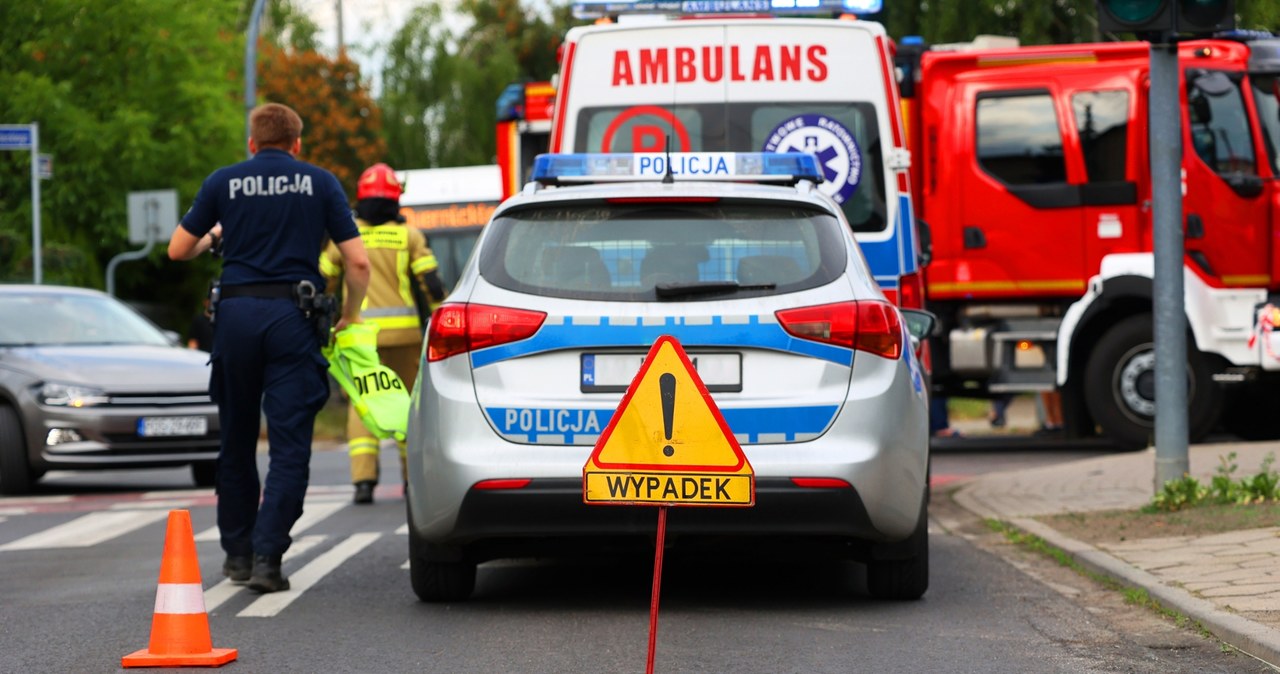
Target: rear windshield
844, 136
663, 251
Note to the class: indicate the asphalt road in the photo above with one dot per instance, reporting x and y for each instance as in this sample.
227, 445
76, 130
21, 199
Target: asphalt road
79, 562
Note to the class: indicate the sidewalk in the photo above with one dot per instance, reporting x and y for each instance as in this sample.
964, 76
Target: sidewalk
1230, 583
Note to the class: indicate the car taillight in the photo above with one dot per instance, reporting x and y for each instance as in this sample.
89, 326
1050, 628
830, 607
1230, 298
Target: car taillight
866, 325
459, 328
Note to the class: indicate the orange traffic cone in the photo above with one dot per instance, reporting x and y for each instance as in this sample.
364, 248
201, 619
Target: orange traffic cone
179, 626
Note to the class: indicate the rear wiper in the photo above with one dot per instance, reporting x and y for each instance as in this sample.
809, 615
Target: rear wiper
707, 288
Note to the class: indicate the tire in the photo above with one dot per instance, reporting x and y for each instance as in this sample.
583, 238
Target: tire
205, 473
437, 581
16, 476
1119, 384
904, 579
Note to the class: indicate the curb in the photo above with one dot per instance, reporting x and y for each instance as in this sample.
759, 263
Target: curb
1244, 635
1248, 637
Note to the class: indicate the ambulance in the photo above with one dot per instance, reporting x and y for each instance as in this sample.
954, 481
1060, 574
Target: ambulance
753, 76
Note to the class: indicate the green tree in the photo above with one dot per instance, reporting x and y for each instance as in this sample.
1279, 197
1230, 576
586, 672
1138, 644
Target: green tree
341, 124
130, 95
439, 87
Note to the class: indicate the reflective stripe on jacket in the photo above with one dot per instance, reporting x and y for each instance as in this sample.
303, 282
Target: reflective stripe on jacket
399, 256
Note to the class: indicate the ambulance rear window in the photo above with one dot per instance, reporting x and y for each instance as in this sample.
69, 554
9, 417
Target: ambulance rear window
844, 136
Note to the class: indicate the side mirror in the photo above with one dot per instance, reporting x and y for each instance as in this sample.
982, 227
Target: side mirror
173, 337
920, 323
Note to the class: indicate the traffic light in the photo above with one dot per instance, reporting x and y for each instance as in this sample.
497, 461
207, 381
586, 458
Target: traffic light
1192, 17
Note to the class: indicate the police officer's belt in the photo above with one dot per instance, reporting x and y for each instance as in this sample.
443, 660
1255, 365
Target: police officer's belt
286, 291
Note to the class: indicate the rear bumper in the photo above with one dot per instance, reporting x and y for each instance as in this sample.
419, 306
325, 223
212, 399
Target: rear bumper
548, 516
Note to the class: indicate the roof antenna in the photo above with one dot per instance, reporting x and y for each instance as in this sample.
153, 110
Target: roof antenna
668, 179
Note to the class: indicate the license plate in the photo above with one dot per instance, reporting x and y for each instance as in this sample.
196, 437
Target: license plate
613, 372
151, 427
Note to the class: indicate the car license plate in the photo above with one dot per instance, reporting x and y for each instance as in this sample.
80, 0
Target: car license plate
151, 427
613, 372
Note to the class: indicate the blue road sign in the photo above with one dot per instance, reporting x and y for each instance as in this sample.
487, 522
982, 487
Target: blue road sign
15, 137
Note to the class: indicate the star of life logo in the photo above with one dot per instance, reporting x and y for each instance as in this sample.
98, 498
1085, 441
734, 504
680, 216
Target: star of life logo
830, 143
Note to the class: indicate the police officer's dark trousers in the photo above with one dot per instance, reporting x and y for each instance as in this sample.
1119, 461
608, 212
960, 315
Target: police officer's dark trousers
266, 359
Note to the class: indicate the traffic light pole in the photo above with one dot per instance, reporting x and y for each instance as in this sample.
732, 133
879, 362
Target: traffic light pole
1172, 458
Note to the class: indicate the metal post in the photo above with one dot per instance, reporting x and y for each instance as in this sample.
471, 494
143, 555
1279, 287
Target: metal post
251, 68
153, 226
1172, 460
36, 244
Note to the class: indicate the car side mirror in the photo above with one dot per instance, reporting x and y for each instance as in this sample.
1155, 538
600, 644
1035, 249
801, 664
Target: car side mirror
920, 323
173, 337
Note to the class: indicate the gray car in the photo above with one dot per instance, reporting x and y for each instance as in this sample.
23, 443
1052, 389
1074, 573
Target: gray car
88, 383
813, 369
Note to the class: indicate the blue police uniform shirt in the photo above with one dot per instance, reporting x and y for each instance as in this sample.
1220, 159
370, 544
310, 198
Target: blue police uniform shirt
274, 211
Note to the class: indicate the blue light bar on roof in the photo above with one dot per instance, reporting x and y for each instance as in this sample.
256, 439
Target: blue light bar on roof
782, 167
594, 9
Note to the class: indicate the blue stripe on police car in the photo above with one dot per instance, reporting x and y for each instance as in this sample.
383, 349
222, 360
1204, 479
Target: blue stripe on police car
753, 425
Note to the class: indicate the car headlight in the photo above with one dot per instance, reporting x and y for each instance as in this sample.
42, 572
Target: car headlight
71, 395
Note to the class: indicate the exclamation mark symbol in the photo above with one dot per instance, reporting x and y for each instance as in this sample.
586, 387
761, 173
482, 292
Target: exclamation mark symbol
667, 387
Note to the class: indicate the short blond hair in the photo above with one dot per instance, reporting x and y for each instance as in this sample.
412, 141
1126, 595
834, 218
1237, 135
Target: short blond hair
275, 125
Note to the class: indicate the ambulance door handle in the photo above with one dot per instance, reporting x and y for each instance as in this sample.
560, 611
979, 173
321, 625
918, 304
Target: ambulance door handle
974, 238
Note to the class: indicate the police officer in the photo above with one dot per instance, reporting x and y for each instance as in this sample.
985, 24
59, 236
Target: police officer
269, 216
401, 262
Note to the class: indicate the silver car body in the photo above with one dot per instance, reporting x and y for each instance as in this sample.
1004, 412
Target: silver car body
143, 401
806, 410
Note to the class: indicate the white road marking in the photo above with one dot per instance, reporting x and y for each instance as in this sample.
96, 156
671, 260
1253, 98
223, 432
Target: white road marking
185, 504
88, 530
177, 493
218, 594
300, 581
402, 530
312, 513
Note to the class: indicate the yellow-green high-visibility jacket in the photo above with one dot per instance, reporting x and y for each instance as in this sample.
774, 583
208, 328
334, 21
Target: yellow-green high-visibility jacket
377, 394
399, 258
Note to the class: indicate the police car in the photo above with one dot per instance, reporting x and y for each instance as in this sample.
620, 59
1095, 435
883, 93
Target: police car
754, 271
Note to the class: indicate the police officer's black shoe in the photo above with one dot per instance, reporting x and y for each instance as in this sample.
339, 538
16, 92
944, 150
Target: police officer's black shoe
364, 491
266, 575
237, 567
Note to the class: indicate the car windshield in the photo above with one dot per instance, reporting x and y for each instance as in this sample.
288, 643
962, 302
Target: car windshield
662, 250
47, 319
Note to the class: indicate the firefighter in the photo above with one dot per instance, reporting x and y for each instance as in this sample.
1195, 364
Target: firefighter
401, 260
268, 216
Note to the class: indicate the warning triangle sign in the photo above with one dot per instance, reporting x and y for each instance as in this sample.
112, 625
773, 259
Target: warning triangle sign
666, 424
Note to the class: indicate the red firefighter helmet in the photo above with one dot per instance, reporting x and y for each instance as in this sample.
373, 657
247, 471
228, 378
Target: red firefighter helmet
379, 182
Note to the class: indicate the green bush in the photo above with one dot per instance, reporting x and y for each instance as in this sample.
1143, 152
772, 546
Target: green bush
1223, 488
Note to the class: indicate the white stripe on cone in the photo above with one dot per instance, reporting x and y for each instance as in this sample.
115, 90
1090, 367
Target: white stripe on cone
175, 598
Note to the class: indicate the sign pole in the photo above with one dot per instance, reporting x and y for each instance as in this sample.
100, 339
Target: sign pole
35, 204
661, 543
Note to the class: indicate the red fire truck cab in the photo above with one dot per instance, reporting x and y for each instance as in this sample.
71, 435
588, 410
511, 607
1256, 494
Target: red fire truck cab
1029, 166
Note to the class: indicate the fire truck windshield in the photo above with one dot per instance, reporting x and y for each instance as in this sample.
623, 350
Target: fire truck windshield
843, 136
1266, 96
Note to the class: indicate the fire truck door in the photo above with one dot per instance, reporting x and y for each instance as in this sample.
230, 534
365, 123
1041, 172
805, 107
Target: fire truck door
1225, 211
1020, 216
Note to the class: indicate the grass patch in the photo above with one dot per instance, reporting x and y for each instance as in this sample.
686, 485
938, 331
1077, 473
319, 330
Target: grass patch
1135, 596
968, 408
331, 422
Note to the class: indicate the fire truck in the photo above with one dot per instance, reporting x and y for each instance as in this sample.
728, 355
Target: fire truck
524, 130
1029, 166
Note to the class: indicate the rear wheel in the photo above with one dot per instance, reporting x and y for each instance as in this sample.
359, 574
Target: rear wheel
205, 473
1120, 385
905, 578
16, 475
435, 580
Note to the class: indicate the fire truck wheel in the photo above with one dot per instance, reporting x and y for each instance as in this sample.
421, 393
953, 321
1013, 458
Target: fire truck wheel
1120, 380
